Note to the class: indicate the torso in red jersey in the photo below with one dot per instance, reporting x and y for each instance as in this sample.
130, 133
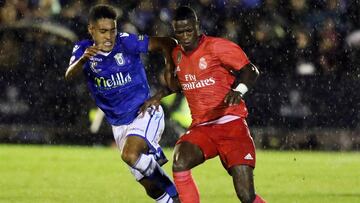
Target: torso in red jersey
205, 78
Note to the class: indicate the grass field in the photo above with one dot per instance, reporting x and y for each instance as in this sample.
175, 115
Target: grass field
96, 174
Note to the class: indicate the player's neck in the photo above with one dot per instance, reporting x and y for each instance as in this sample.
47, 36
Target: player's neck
195, 46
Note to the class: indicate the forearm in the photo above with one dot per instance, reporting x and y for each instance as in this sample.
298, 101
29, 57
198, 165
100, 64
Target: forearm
164, 45
245, 78
74, 69
162, 92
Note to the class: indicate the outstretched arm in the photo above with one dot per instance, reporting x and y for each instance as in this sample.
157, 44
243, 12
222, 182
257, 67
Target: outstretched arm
75, 68
165, 45
245, 79
164, 90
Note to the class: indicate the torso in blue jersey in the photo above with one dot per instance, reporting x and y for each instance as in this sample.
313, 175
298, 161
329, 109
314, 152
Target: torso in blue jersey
117, 79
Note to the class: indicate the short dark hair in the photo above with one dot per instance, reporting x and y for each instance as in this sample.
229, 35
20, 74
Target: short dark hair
185, 13
102, 11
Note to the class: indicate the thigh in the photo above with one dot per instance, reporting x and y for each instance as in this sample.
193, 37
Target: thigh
142, 135
186, 156
235, 144
119, 133
148, 127
200, 136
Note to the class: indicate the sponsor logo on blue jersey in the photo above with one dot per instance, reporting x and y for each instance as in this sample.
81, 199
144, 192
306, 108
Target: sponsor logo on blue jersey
113, 81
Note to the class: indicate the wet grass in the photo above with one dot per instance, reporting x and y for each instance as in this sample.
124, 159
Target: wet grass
30, 173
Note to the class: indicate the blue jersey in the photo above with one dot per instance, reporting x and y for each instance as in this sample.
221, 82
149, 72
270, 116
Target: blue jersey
117, 80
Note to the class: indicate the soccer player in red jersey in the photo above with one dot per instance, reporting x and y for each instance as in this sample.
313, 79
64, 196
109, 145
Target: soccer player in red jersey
213, 74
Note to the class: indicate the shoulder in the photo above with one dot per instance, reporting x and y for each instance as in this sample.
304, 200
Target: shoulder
218, 44
220, 41
129, 37
176, 51
131, 41
82, 45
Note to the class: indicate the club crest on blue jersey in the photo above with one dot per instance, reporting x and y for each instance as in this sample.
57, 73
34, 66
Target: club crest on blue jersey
119, 58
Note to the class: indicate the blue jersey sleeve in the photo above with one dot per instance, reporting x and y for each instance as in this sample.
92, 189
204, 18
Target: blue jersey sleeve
78, 50
134, 43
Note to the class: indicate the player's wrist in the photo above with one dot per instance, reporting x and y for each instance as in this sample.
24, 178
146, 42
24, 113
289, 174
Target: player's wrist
161, 93
241, 88
166, 91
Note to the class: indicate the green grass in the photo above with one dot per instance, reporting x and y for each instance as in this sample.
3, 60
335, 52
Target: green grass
96, 174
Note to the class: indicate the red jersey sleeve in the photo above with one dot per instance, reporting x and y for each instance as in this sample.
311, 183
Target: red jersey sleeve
229, 53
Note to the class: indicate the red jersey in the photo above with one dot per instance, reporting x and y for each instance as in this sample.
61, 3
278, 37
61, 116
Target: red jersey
205, 78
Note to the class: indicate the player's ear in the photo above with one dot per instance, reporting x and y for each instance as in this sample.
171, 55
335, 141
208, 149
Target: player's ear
90, 28
173, 24
197, 26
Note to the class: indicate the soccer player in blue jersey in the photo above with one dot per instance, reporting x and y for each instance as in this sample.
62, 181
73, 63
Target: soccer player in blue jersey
117, 80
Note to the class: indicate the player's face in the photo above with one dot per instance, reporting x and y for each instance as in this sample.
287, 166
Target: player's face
103, 32
186, 32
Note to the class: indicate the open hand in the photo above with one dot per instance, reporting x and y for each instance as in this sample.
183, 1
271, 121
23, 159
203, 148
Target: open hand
90, 52
154, 101
233, 98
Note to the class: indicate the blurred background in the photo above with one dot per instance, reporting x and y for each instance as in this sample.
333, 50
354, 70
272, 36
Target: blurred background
308, 53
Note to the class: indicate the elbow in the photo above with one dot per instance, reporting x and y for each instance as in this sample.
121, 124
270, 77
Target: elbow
67, 76
255, 71
164, 44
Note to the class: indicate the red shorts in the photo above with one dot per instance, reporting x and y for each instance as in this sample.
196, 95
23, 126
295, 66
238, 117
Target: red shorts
231, 141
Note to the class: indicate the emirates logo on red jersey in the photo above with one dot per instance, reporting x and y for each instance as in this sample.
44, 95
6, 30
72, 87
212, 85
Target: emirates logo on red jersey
192, 83
202, 63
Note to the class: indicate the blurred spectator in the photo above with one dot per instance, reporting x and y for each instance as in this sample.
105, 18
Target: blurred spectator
329, 48
298, 12
9, 59
303, 54
295, 108
73, 15
143, 15
8, 13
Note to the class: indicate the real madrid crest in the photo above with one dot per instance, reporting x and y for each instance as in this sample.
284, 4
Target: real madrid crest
202, 63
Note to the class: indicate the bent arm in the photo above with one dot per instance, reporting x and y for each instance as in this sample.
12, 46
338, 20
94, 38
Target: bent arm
246, 76
75, 69
166, 45
245, 79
